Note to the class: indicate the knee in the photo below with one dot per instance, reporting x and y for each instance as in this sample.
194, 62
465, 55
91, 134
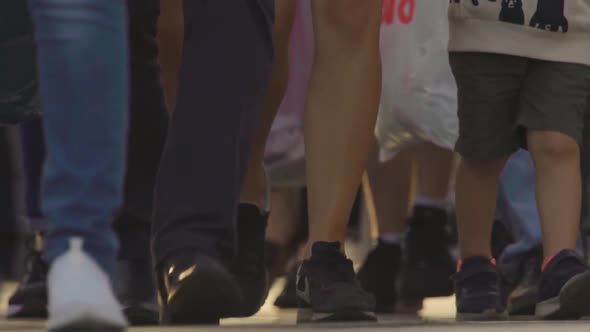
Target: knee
552, 146
348, 20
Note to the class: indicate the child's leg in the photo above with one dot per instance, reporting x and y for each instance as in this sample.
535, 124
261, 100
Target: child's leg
553, 103
489, 91
477, 183
557, 162
554, 139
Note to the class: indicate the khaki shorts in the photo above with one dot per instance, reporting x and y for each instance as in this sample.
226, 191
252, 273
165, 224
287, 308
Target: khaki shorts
500, 96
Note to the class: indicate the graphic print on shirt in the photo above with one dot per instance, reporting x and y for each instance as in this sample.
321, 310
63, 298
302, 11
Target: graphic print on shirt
550, 16
512, 12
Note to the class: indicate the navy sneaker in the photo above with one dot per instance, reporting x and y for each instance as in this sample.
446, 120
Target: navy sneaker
327, 288
477, 286
565, 287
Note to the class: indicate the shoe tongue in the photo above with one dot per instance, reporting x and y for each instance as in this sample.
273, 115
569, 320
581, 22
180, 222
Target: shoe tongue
327, 250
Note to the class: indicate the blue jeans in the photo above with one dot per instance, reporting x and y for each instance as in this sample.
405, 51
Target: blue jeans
517, 210
83, 74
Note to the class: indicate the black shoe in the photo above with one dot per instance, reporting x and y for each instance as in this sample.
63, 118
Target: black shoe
288, 297
30, 299
197, 289
136, 291
564, 292
477, 286
249, 267
428, 265
380, 273
327, 288
524, 297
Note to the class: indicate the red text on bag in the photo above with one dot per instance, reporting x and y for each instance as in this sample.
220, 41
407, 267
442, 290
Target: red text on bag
403, 10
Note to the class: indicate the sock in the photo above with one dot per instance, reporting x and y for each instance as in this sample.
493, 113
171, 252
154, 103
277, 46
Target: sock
429, 202
392, 238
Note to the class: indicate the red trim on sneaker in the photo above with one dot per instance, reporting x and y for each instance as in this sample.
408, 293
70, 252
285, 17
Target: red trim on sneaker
546, 262
460, 263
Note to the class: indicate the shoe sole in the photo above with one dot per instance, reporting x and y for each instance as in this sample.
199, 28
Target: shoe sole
486, 316
573, 301
206, 296
523, 306
82, 317
138, 316
306, 315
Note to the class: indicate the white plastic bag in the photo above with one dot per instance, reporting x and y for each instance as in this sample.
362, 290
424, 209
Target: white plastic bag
419, 97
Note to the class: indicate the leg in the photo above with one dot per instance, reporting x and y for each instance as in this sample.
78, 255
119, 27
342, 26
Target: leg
85, 127
557, 160
554, 135
428, 265
147, 132
390, 183
435, 167
186, 207
489, 88
30, 298
134, 284
220, 98
255, 185
341, 110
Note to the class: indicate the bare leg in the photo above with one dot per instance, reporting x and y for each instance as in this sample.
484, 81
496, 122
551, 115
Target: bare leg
435, 166
255, 183
286, 214
342, 105
559, 192
390, 183
477, 184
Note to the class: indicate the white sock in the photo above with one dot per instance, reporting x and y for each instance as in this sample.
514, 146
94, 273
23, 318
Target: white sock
392, 238
429, 202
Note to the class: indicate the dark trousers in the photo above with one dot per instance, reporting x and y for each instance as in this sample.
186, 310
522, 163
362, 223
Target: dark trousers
227, 60
147, 134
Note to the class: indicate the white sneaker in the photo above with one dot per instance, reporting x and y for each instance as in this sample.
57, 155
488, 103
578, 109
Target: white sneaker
80, 293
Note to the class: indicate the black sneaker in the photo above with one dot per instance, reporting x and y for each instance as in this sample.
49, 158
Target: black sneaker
250, 266
30, 298
477, 286
564, 292
288, 297
327, 288
428, 265
524, 297
380, 273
